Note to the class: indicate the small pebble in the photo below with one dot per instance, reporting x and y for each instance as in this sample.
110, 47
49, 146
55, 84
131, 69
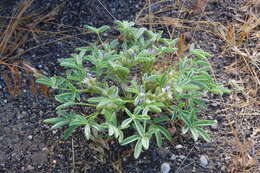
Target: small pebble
173, 157
182, 157
54, 132
30, 137
29, 167
214, 104
54, 161
41, 113
204, 161
214, 126
178, 147
165, 168
163, 153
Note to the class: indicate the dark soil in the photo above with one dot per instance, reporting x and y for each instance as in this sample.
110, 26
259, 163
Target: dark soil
28, 145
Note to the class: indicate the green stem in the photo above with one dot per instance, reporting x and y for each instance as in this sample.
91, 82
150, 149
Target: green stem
100, 40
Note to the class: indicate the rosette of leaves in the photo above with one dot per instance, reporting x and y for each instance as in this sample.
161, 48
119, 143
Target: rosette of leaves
124, 98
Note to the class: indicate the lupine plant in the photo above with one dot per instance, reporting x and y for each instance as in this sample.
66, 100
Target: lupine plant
129, 99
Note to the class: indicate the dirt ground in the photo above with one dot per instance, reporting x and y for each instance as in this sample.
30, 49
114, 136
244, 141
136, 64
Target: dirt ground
52, 29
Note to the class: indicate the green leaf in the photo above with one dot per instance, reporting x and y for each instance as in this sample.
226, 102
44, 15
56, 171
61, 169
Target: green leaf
185, 129
158, 139
161, 119
65, 105
68, 132
145, 142
165, 132
184, 118
138, 149
155, 109
204, 134
130, 139
139, 128
220, 91
53, 120
110, 130
121, 136
116, 131
142, 117
80, 120
163, 50
45, 80
199, 53
103, 29
68, 62
87, 131
91, 29
126, 123
139, 33
65, 97
128, 112
195, 133
60, 124
79, 58
204, 122
96, 99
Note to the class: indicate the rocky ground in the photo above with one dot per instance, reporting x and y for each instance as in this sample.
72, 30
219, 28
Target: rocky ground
28, 145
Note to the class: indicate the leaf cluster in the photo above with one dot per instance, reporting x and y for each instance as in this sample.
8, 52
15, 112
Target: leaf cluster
125, 98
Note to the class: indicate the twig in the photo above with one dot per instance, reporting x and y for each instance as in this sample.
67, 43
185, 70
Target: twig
106, 10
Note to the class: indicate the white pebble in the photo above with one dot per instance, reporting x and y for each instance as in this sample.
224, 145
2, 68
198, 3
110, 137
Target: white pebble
204, 161
165, 168
173, 157
30, 137
178, 147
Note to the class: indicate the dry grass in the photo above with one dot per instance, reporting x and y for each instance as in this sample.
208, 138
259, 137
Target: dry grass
15, 32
